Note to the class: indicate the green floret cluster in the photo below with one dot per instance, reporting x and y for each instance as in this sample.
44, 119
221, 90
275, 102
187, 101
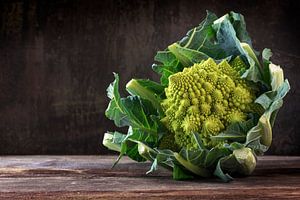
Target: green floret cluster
204, 99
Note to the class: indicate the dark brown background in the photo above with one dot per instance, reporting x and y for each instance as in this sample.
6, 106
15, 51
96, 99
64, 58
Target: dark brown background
57, 58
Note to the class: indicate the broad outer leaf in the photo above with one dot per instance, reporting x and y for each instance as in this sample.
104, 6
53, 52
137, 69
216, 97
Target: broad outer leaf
130, 111
149, 90
259, 137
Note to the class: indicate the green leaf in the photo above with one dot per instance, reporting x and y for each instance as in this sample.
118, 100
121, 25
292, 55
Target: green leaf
254, 73
266, 99
166, 58
243, 127
135, 85
195, 157
227, 44
164, 158
130, 149
237, 132
130, 111
148, 90
187, 57
241, 161
113, 140
169, 65
153, 167
131, 143
113, 89
201, 34
239, 25
199, 141
266, 77
235, 145
139, 112
246, 160
215, 38
219, 171
135, 134
165, 72
234, 135
180, 174
196, 169
276, 76
115, 110
267, 54
214, 155
259, 138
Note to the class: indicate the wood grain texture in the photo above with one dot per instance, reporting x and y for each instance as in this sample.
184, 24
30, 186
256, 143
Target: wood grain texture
57, 59
90, 177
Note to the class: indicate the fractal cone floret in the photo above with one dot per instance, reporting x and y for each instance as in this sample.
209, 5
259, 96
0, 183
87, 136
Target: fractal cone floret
204, 99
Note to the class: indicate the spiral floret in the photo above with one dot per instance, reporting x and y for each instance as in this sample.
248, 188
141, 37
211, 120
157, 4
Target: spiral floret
238, 65
204, 99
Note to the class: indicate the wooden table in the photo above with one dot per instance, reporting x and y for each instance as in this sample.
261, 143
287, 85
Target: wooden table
90, 177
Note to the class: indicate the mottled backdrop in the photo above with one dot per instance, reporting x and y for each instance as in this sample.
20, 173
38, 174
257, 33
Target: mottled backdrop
57, 58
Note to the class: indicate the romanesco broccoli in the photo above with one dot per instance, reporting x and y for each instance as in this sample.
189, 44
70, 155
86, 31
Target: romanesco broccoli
212, 112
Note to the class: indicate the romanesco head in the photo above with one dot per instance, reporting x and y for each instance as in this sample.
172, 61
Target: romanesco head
204, 99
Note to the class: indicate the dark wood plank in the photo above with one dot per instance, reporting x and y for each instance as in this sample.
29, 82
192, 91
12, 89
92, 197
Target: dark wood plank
90, 177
